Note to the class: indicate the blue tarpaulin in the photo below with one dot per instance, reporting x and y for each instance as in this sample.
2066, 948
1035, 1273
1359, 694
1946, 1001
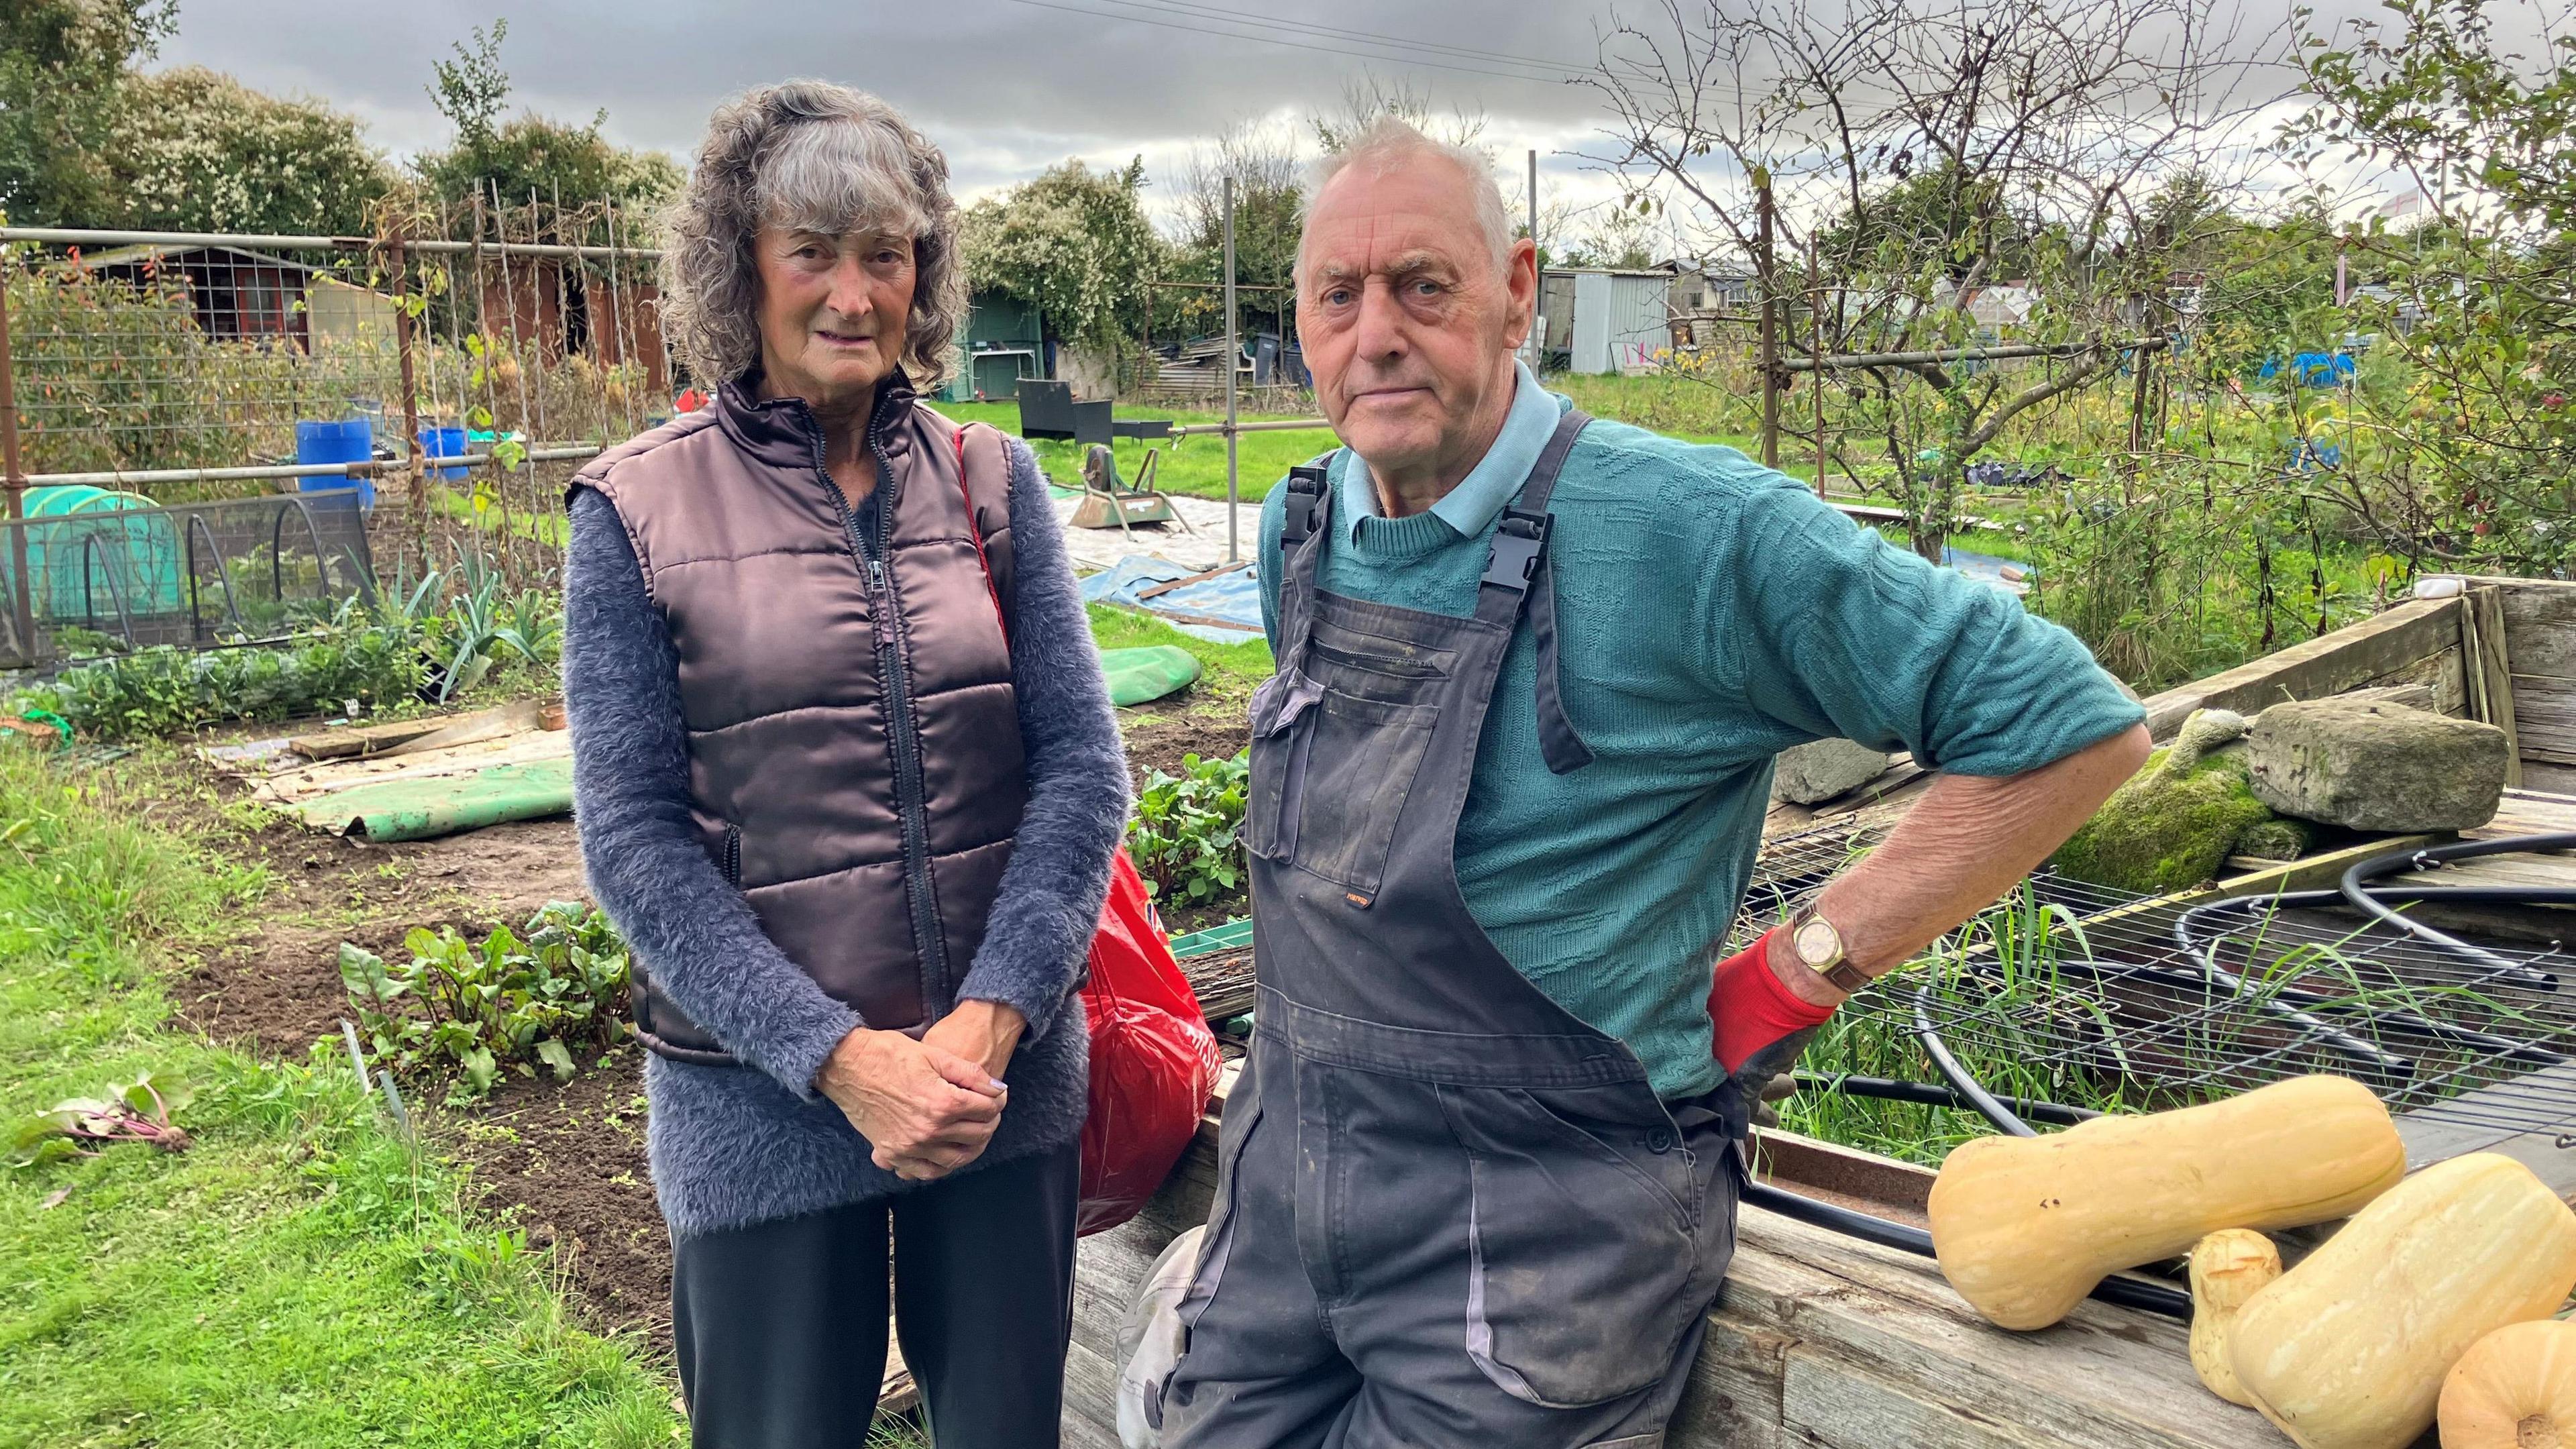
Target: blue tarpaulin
1225, 607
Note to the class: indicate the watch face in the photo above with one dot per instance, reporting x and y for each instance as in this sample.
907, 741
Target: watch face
1818, 943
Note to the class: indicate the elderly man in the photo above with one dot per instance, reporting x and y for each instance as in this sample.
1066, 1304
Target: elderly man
1479, 1177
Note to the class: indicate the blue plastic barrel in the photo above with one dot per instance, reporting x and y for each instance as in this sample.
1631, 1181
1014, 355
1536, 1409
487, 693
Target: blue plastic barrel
444, 443
352, 440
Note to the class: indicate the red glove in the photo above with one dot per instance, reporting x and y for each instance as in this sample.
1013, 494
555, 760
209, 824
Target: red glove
1752, 1009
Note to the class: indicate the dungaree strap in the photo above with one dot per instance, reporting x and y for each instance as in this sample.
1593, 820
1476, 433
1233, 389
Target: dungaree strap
1519, 571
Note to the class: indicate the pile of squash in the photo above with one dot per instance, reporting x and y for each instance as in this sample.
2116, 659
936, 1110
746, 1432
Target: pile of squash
2434, 1302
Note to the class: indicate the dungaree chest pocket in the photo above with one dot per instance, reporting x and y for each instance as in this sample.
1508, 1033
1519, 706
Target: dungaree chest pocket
1336, 744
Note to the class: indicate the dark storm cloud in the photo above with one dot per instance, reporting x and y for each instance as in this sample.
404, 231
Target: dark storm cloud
1007, 88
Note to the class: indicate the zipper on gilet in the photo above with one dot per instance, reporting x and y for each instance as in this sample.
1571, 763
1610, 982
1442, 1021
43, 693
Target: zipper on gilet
902, 731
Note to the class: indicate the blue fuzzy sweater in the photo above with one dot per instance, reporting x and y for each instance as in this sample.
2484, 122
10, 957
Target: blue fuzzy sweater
732, 1146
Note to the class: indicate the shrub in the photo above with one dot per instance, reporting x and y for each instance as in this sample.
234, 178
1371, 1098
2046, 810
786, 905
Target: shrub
511, 1001
1186, 837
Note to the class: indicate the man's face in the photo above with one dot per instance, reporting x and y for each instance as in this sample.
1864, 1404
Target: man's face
832, 310
1407, 324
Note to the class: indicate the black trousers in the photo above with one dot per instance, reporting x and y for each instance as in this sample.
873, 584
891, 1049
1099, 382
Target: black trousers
781, 1326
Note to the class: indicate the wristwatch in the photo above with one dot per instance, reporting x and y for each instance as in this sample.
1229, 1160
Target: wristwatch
1819, 947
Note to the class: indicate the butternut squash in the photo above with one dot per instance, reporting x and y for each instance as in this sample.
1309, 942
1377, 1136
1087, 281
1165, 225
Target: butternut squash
2025, 1226
2348, 1350
2227, 1268
2513, 1389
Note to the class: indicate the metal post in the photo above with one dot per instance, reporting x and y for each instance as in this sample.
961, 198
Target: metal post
22, 614
1816, 354
1538, 284
1233, 353
1770, 348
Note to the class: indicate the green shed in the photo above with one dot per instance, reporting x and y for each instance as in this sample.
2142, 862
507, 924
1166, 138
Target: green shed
1002, 341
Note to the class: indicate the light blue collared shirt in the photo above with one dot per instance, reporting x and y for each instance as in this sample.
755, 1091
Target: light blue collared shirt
1492, 483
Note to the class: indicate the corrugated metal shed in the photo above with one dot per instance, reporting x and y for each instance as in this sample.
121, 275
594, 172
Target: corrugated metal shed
1619, 320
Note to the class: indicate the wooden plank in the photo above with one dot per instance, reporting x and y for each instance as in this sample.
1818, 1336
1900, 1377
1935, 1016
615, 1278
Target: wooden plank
2545, 652
2545, 718
2438, 680
1879, 1325
515, 718
2483, 635
2545, 1099
2344, 659
1816, 1339
2538, 607
362, 739
2548, 775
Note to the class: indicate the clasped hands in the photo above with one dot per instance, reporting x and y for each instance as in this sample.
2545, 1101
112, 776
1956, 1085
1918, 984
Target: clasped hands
927, 1107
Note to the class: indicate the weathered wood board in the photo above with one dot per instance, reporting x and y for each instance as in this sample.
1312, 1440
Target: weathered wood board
2390, 649
1817, 1340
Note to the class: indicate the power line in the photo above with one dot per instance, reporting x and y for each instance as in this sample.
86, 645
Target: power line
1292, 44
1368, 37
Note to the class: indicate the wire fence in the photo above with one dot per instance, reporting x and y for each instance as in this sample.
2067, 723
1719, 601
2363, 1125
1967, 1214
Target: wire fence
452, 372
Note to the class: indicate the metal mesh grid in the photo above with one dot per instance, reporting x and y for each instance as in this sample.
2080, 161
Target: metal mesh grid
2074, 993
495, 341
230, 571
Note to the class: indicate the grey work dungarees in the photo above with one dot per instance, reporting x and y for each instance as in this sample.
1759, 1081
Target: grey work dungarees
1449, 1212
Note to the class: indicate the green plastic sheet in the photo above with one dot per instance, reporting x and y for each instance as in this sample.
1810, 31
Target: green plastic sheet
1148, 673
445, 805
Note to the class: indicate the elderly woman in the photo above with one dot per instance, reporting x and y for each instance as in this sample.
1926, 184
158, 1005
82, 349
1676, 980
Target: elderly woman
848, 780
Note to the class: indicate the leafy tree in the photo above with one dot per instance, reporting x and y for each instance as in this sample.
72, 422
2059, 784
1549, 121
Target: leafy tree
195, 150
508, 163
62, 69
1075, 244
471, 90
2472, 460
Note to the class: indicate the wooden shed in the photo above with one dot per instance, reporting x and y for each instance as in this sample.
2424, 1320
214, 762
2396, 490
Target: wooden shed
567, 309
239, 295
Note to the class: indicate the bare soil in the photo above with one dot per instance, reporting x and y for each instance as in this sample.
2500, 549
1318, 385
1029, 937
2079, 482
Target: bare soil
564, 1162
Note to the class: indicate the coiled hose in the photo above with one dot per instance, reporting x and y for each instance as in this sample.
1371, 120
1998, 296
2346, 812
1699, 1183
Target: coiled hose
1960, 1088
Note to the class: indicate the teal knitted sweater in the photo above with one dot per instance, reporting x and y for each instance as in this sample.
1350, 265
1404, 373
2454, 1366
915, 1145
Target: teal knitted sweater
1714, 613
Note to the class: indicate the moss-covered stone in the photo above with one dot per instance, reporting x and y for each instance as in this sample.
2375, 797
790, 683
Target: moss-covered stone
2279, 838
2176, 821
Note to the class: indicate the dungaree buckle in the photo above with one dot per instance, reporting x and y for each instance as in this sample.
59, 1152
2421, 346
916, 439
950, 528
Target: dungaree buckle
1517, 546
1305, 488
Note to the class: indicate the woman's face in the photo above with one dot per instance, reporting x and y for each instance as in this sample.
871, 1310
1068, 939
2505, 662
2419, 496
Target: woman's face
832, 312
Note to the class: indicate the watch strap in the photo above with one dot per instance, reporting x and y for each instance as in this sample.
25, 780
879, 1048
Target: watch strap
1840, 971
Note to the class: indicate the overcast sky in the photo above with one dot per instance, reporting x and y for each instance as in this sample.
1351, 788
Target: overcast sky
1007, 87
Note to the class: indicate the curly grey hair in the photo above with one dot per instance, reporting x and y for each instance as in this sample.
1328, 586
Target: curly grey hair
813, 156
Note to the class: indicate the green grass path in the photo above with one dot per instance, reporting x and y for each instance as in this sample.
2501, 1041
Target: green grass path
301, 1277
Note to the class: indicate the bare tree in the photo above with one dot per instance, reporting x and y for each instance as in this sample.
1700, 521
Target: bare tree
1369, 97
1931, 152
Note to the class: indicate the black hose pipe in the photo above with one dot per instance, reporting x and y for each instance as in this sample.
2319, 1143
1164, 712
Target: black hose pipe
2356, 882
1907, 1238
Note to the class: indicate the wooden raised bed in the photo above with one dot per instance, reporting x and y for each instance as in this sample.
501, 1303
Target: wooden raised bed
1819, 1339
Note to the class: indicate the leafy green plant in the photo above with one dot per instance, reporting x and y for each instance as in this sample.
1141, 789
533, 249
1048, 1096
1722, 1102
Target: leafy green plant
161, 689
531, 626
1186, 837
136, 1111
516, 1000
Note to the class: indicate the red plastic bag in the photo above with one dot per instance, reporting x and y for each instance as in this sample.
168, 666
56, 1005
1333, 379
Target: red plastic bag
1153, 1059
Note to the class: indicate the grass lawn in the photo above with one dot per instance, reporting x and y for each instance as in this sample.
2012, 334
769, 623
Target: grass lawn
302, 1276
1195, 466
